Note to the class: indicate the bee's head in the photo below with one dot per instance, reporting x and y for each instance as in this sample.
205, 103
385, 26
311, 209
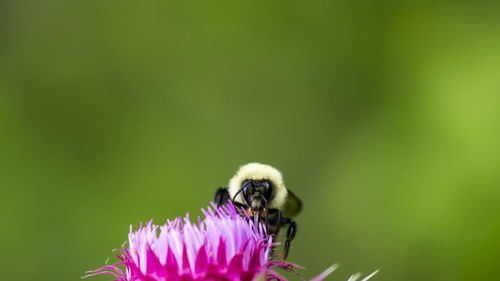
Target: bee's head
255, 184
257, 193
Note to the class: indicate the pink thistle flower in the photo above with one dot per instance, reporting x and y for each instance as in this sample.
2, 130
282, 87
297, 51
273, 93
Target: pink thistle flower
224, 246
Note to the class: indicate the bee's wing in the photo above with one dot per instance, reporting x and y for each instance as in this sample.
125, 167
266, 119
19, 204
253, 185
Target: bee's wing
292, 206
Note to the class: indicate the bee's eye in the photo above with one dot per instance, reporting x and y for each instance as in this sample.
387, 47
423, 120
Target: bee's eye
268, 189
246, 186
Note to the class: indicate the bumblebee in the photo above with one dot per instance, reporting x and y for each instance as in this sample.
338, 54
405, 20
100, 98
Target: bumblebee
260, 190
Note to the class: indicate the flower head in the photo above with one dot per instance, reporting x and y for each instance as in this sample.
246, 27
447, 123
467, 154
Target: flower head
224, 246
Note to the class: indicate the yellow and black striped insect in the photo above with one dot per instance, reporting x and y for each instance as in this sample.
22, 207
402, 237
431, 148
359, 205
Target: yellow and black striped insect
260, 190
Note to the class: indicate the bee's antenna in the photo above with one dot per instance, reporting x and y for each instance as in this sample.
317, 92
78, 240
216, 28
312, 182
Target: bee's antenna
245, 185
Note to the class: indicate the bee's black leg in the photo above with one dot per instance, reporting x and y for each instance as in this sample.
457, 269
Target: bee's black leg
221, 196
290, 234
278, 221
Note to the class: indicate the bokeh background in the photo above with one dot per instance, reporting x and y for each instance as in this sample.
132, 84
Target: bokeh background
382, 115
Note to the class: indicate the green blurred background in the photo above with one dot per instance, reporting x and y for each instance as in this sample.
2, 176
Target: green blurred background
383, 116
